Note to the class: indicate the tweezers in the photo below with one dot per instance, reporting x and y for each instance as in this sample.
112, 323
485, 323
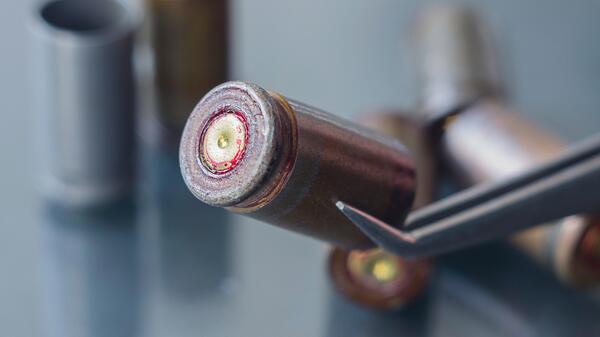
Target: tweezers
565, 186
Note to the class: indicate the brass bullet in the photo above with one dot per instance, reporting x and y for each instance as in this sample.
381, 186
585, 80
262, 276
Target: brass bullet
480, 139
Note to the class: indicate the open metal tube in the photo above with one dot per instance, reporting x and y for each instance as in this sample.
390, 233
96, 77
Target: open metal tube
189, 45
84, 90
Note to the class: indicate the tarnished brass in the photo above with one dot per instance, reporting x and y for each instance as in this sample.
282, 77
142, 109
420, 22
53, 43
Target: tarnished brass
297, 162
490, 142
481, 140
189, 43
375, 278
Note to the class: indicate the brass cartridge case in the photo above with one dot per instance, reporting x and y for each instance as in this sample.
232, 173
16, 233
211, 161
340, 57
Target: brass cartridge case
488, 142
189, 43
283, 162
375, 278
482, 140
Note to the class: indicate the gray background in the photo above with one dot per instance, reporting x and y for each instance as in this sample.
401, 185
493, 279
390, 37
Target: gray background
346, 57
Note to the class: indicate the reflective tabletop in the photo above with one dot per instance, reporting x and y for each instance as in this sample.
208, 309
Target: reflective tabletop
164, 264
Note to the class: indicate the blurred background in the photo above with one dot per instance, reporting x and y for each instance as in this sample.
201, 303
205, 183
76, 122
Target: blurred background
162, 264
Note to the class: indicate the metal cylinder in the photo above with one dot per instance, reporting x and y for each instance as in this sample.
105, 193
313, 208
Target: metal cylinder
286, 163
375, 278
414, 134
489, 142
481, 140
84, 95
189, 42
454, 59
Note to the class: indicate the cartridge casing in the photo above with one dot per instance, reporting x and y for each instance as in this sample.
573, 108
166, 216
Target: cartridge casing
189, 44
84, 99
291, 163
489, 142
481, 140
375, 278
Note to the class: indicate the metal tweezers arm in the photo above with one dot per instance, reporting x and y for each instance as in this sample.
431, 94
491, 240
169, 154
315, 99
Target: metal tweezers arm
565, 186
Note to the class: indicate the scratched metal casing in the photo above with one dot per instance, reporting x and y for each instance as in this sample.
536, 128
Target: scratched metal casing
84, 99
489, 142
295, 162
375, 278
414, 133
189, 44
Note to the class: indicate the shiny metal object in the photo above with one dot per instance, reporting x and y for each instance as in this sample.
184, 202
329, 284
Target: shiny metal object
375, 278
292, 164
84, 96
189, 45
562, 187
454, 59
482, 140
414, 134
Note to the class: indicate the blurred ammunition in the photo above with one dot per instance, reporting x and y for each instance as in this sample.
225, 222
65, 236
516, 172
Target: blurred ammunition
84, 95
375, 278
189, 45
455, 60
488, 142
481, 140
286, 163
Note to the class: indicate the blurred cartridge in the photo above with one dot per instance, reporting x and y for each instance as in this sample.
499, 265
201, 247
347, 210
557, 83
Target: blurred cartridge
84, 95
375, 278
454, 58
414, 134
489, 142
482, 140
189, 44
286, 163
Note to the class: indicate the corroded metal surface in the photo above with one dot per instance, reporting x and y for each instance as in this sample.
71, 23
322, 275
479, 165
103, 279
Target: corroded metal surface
482, 139
298, 162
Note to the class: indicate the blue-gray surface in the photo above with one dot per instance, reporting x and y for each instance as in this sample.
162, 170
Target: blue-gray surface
169, 267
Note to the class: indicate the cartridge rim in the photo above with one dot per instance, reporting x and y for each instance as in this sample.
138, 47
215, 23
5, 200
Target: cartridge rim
258, 153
